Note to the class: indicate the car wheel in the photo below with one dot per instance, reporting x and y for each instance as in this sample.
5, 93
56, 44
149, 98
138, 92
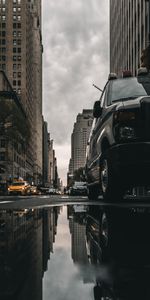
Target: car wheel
107, 236
110, 182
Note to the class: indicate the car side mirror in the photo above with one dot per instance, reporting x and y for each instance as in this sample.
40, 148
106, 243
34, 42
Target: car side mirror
97, 110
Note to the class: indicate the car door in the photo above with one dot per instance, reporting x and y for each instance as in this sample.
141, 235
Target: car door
94, 151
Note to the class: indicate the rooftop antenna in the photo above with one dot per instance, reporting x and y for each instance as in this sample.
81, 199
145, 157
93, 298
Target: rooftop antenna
97, 87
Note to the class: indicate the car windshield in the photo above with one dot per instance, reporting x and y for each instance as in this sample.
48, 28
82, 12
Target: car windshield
129, 88
18, 183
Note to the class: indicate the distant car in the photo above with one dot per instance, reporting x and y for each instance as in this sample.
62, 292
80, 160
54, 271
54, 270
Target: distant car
19, 188
78, 188
51, 191
34, 190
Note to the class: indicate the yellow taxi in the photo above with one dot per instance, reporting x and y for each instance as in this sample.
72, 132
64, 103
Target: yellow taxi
19, 188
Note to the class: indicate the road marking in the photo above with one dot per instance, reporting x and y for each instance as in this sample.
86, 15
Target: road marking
2, 202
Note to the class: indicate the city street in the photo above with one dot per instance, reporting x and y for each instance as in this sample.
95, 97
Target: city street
75, 150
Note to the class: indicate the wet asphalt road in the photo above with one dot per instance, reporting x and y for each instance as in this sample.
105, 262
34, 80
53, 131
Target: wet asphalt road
41, 201
67, 248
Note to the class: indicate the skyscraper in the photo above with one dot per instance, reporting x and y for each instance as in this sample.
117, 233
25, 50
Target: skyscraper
79, 139
129, 33
21, 60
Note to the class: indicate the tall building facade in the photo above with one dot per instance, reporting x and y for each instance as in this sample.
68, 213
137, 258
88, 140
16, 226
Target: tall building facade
21, 60
129, 33
13, 133
79, 139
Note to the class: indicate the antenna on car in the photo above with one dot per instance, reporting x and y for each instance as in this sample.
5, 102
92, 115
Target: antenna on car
97, 87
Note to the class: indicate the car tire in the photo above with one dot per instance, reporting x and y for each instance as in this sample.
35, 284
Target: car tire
107, 238
110, 183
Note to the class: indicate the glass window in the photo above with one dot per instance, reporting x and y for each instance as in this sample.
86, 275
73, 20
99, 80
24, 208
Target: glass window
2, 143
2, 156
128, 88
3, 50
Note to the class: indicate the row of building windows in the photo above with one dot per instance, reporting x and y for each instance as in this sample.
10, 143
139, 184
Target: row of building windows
15, 82
18, 160
16, 74
3, 58
2, 67
16, 58
15, 17
3, 50
16, 50
15, 25
2, 143
17, 42
16, 66
3, 33
18, 91
17, 33
14, 2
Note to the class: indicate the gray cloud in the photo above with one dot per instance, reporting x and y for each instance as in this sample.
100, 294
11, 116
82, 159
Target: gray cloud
75, 38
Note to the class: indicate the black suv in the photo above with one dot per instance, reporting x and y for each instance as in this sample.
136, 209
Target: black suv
118, 151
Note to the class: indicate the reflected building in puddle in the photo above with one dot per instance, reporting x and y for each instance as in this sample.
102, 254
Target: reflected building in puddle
26, 240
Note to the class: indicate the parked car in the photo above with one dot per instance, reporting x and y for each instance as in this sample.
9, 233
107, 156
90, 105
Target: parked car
34, 190
78, 188
51, 191
118, 151
19, 188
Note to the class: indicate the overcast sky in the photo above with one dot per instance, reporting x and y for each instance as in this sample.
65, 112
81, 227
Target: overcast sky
76, 55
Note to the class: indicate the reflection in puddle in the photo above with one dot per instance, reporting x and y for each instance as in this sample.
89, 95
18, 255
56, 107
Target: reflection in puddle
64, 280
75, 252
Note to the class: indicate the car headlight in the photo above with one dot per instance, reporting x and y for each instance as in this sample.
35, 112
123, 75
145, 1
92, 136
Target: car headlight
126, 132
